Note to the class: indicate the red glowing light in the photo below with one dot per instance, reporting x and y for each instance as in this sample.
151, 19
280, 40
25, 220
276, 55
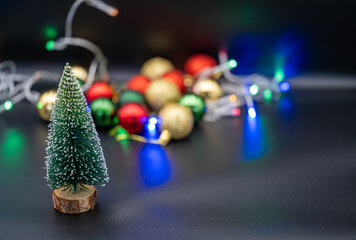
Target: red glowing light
236, 111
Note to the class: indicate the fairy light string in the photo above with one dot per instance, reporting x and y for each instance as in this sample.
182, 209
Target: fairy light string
99, 63
238, 90
15, 87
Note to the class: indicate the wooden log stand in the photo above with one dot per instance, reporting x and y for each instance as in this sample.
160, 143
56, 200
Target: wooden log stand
74, 203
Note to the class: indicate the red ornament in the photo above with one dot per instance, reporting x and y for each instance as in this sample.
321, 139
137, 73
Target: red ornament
176, 77
198, 62
133, 117
138, 83
99, 90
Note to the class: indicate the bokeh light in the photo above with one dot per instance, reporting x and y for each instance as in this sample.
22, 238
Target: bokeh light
154, 165
254, 89
8, 105
284, 86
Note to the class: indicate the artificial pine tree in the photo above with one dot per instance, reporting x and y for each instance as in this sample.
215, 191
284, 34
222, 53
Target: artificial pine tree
75, 160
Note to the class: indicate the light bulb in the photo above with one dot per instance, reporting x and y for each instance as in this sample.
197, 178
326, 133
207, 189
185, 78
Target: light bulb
279, 75
232, 63
284, 86
151, 127
50, 45
39, 105
50, 32
233, 98
267, 94
114, 12
254, 89
236, 111
8, 105
152, 120
251, 112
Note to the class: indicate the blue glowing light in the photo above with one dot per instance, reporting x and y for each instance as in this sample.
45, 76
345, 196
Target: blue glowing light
255, 142
286, 108
284, 86
251, 112
151, 127
144, 120
154, 165
151, 130
153, 120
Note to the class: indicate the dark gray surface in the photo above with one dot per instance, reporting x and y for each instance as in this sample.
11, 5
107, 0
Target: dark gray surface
290, 176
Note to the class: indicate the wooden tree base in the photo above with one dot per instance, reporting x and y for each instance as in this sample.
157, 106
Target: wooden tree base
74, 203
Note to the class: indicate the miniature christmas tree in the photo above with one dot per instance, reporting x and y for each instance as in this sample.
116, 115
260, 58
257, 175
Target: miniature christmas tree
75, 159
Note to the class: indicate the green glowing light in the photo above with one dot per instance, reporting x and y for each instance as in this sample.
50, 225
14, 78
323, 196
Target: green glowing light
279, 75
232, 63
50, 32
12, 150
50, 45
254, 89
267, 94
8, 105
39, 105
115, 120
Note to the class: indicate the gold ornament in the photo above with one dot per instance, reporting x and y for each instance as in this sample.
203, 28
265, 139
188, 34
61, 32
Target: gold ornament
188, 80
209, 89
156, 67
217, 75
80, 73
45, 104
177, 122
160, 92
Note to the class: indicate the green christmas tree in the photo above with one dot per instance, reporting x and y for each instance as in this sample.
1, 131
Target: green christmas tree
74, 154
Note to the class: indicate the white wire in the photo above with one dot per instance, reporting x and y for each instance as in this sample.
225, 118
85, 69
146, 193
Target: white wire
91, 75
240, 83
93, 3
16, 87
63, 43
70, 17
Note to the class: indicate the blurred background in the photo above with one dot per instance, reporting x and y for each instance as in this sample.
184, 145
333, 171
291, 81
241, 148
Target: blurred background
262, 35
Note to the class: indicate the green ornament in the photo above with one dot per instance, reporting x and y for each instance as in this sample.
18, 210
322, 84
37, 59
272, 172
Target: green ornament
103, 111
195, 103
129, 96
80, 82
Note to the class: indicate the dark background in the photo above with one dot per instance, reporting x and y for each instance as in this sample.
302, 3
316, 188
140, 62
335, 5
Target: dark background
288, 174
311, 35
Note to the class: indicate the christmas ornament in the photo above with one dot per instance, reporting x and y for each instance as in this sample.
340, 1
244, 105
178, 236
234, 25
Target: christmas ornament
99, 90
45, 104
75, 160
160, 92
156, 67
138, 83
177, 122
80, 73
195, 103
128, 96
133, 117
188, 80
103, 111
197, 63
176, 76
209, 89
